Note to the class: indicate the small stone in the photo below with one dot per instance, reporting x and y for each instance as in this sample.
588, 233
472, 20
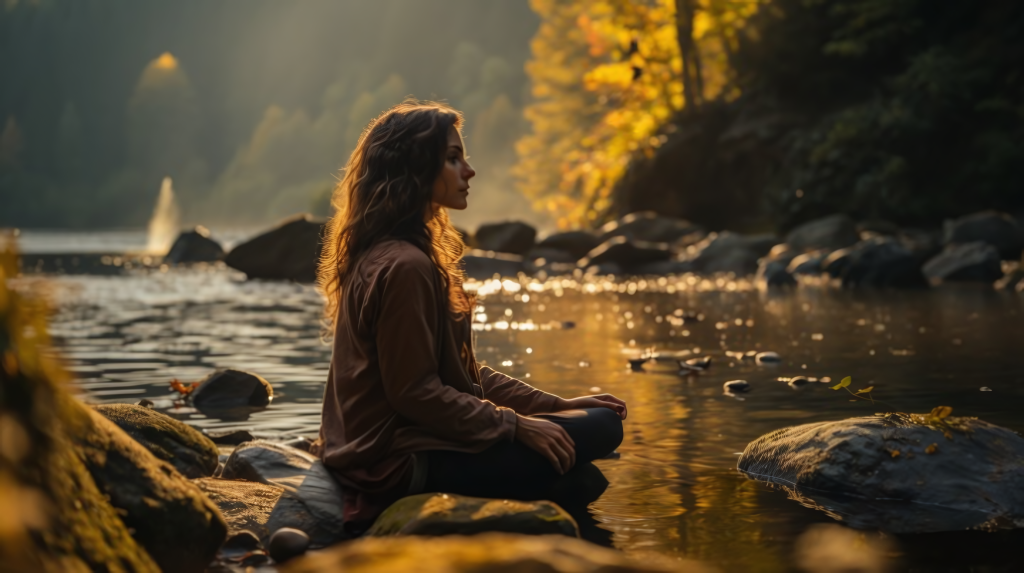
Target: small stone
231, 438
699, 363
986, 389
637, 363
145, 403
767, 357
239, 546
735, 386
798, 381
287, 543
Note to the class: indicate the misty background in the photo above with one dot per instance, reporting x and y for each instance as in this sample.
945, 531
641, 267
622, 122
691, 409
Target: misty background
250, 106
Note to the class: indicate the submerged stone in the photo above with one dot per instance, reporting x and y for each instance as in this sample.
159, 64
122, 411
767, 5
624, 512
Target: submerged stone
450, 514
899, 473
229, 389
173, 441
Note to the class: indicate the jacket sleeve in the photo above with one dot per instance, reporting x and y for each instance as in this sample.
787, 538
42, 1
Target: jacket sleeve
507, 391
407, 326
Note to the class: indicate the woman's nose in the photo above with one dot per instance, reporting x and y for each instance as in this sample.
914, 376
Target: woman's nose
469, 173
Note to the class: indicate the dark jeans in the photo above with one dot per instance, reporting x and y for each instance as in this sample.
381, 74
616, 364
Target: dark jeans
512, 470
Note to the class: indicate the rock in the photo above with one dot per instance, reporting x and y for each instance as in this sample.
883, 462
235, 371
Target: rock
774, 273
882, 262
899, 473
450, 514
834, 265
512, 237
662, 268
194, 246
231, 437
504, 552
1013, 278
290, 251
484, 265
736, 386
545, 255
229, 389
828, 548
239, 545
807, 263
177, 443
164, 510
767, 357
625, 253
832, 232
728, 252
316, 508
990, 227
649, 227
923, 244
974, 262
877, 228
798, 381
576, 243
287, 543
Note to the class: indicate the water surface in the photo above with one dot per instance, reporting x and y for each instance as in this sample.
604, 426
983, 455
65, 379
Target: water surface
675, 490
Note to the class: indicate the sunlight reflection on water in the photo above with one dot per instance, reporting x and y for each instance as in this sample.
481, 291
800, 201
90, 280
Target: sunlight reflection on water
674, 490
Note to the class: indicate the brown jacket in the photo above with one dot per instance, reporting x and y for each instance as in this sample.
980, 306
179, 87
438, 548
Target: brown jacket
403, 378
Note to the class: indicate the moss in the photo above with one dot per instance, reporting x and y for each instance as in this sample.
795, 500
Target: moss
181, 445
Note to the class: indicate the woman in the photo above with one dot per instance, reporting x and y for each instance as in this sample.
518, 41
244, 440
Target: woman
407, 409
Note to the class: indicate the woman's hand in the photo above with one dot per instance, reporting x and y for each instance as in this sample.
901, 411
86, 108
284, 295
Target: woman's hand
549, 440
595, 401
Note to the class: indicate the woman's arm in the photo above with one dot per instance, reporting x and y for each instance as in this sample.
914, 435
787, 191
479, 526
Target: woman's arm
507, 391
407, 324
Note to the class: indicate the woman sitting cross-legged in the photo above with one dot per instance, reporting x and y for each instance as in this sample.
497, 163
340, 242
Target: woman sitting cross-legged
407, 409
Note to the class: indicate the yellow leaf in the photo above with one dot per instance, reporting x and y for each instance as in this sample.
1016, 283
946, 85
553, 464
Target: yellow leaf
941, 412
931, 449
865, 390
846, 381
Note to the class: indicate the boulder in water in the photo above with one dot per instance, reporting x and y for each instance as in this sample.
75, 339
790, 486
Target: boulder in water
173, 441
229, 389
483, 265
450, 514
900, 473
194, 246
969, 262
165, 511
289, 251
807, 263
576, 243
511, 237
990, 227
624, 253
314, 501
882, 262
505, 552
649, 227
832, 232
728, 252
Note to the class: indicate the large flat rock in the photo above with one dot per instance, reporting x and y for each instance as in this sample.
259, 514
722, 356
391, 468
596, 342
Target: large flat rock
900, 473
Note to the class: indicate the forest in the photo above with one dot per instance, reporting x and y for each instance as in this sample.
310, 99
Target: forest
739, 114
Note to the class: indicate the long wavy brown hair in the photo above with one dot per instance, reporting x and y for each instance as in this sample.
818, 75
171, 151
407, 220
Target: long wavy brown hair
386, 193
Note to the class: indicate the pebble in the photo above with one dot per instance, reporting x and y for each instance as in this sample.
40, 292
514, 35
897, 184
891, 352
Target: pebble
699, 363
240, 546
986, 389
734, 386
287, 543
798, 381
637, 363
767, 357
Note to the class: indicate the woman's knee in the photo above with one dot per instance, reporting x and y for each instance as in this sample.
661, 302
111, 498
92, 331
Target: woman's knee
607, 427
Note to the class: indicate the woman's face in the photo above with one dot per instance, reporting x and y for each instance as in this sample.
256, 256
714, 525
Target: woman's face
452, 186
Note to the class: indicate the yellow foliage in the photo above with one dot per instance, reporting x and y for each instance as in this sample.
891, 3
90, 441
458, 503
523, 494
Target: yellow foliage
606, 77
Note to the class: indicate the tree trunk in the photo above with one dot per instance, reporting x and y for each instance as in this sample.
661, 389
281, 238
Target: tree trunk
685, 10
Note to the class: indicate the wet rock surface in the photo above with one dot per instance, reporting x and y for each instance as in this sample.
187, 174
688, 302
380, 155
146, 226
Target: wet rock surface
504, 552
999, 230
832, 232
624, 253
164, 510
728, 252
226, 390
969, 262
449, 514
194, 246
483, 265
287, 543
648, 226
881, 262
510, 237
290, 251
177, 443
576, 243
897, 472
313, 503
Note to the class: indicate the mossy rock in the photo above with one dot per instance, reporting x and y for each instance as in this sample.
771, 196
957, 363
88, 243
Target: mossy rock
449, 514
175, 442
179, 527
504, 552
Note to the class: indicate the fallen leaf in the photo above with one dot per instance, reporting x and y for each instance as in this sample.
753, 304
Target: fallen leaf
931, 449
895, 453
865, 390
941, 412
